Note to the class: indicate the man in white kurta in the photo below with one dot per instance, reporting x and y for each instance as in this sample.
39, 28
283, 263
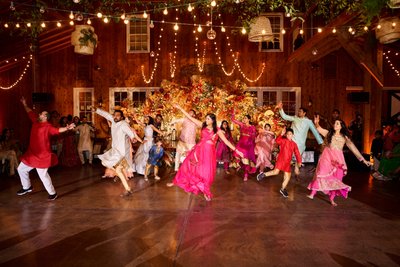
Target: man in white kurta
85, 141
300, 125
115, 157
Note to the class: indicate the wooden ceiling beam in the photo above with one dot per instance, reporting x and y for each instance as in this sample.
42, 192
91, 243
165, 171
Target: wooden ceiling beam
361, 57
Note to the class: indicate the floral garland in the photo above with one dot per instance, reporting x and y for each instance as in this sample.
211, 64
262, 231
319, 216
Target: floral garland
204, 98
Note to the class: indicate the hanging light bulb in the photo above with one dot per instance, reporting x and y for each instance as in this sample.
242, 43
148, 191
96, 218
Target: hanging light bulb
99, 15
89, 21
365, 28
283, 31
71, 23
165, 12
379, 26
71, 15
393, 24
301, 31
334, 30
350, 29
123, 16
190, 8
6, 25
287, 15
58, 24
76, 1
126, 21
43, 25
244, 31
28, 25
151, 24
319, 30
145, 14
17, 25
105, 20
223, 29
213, 3
199, 29
176, 27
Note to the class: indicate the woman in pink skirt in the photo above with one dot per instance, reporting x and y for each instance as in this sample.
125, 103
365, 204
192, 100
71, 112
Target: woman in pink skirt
264, 144
224, 153
331, 165
197, 171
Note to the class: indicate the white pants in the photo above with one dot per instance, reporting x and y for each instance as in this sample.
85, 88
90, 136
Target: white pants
23, 171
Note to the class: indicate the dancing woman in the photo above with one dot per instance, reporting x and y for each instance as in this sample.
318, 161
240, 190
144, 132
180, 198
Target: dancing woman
224, 154
331, 165
246, 145
142, 154
264, 144
197, 171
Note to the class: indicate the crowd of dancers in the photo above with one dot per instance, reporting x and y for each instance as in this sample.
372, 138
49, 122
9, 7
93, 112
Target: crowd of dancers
196, 163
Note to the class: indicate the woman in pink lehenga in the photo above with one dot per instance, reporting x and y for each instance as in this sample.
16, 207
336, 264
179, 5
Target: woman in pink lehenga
264, 144
224, 154
246, 145
197, 171
331, 165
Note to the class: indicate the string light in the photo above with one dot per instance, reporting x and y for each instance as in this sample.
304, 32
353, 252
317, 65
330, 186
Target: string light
319, 30
59, 24
219, 57
20, 77
89, 21
123, 16
17, 25
43, 25
190, 8
6, 25
165, 12
389, 62
172, 56
155, 60
244, 31
334, 30
126, 21
200, 62
199, 29
145, 14
105, 20
176, 27
301, 31
283, 31
99, 15
28, 25
71, 23
71, 15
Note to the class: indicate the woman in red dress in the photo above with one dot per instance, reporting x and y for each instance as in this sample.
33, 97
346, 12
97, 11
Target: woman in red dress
197, 171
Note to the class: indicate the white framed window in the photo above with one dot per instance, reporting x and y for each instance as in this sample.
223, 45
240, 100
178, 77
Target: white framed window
83, 102
276, 44
138, 34
270, 96
137, 95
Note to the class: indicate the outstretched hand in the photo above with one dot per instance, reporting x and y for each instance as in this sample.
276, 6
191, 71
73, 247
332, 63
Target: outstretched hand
23, 101
240, 153
279, 105
283, 131
316, 119
71, 126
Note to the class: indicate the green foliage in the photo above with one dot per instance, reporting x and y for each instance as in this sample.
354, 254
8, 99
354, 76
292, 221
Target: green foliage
88, 36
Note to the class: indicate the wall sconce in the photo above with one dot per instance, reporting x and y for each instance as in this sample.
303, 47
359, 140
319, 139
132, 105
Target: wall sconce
100, 102
97, 67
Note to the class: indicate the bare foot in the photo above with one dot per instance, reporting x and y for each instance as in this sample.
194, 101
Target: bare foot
227, 172
170, 184
157, 177
207, 198
310, 196
333, 203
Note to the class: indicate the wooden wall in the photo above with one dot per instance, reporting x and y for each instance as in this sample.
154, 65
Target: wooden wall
113, 67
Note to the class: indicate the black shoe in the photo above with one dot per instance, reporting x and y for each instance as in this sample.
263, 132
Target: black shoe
284, 193
24, 191
260, 176
127, 194
53, 197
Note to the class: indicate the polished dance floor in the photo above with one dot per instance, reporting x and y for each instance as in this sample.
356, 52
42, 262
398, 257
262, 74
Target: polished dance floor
246, 224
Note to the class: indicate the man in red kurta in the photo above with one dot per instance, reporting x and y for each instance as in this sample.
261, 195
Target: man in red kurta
287, 148
39, 156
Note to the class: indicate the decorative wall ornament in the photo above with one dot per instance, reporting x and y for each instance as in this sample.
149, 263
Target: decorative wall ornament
84, 39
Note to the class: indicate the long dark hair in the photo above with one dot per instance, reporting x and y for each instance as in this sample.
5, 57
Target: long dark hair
227, 130
344, 131
151, 120
214, 124
249, 117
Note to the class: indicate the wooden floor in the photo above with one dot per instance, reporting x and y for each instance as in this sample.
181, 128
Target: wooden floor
246, 224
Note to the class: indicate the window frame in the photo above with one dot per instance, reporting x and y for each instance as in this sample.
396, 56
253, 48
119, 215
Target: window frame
279, 91
76, 91
132, 19
130, 91
281, 36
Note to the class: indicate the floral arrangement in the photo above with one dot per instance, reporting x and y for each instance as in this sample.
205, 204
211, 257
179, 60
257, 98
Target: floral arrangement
204, 98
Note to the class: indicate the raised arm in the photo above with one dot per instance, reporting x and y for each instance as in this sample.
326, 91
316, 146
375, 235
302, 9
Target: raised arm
194, 120
103, 113
235, 121
23, 101
319, 129
157, 130
283, 114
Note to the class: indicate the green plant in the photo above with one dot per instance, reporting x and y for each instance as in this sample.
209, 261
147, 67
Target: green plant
88, 36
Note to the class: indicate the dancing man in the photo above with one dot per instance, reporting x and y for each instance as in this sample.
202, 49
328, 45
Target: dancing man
115, 158
300, 125
39, 156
